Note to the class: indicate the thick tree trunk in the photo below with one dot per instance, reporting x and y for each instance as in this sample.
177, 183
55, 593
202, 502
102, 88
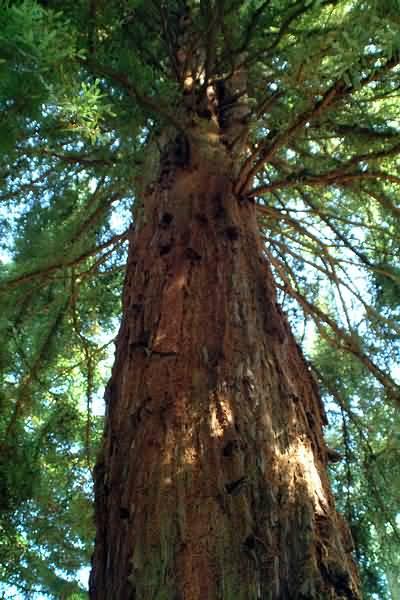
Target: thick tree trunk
212, 482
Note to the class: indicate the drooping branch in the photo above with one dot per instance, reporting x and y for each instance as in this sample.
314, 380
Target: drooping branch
46, 271
341, 339
330, 272
294, 223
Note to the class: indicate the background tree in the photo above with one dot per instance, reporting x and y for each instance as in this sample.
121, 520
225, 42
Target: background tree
86, 89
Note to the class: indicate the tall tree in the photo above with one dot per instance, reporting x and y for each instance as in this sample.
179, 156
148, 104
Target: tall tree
257, 143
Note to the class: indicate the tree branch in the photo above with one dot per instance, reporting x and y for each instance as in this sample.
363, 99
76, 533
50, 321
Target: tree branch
332, 95
326, 179
153, 106
45, 271
342, 340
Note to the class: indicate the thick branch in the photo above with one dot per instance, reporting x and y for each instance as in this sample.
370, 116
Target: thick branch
326, 179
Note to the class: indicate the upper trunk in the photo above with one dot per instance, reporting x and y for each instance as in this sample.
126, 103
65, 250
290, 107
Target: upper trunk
212, 483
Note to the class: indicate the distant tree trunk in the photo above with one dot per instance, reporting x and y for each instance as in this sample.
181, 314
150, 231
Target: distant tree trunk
212, 483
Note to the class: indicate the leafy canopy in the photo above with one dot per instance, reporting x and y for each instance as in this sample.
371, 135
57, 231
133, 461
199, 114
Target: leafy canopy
84, 86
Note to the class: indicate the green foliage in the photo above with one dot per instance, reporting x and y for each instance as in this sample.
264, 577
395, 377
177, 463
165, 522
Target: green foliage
364, 430
36, 47
83, 87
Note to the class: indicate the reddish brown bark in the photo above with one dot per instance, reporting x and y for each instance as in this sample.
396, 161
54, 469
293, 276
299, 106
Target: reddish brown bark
212, 482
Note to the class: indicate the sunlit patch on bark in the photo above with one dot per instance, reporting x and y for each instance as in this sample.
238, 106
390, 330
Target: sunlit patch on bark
221, 416
297, 464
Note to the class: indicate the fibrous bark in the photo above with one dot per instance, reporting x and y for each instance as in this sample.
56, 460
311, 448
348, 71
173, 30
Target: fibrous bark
212, 482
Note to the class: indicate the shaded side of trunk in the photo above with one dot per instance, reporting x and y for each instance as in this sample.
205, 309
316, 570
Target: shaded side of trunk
212, 482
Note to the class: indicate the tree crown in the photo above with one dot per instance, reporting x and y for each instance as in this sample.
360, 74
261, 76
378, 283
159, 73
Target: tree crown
304, 94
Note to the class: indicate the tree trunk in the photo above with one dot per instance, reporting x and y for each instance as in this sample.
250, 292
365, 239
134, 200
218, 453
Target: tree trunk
212, 482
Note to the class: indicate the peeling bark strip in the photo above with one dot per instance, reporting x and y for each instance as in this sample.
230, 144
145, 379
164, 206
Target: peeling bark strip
212, 483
